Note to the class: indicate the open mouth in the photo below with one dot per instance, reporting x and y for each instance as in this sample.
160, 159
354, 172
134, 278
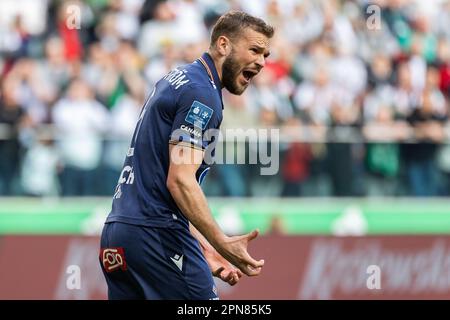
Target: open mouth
249, 74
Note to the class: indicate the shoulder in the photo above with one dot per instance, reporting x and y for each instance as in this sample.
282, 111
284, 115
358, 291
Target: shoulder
183, 76
189, 83
203, 93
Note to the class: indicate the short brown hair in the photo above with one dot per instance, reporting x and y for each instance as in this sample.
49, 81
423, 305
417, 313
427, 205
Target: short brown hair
232, 23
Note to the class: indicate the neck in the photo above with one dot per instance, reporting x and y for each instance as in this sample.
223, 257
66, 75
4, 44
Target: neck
218, 62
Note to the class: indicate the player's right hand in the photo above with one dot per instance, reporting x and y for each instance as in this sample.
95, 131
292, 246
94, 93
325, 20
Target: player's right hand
234, 249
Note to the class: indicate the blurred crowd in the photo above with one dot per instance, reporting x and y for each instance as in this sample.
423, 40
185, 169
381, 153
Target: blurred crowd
370, 78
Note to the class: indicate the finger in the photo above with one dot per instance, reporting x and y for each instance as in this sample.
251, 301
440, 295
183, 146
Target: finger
218, 271
252, 262
227, 277
249, 270
234, 278
252, 272
237, 273
233, 281
252, 235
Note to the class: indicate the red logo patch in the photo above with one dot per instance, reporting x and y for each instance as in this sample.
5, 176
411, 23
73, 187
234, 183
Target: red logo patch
113, 259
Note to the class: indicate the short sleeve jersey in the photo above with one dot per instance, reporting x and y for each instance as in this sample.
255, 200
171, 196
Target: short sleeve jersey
183, 106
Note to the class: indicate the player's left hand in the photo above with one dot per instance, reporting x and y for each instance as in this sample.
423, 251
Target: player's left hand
222, 269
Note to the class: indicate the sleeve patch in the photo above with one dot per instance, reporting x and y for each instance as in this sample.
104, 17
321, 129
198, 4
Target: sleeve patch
199, 115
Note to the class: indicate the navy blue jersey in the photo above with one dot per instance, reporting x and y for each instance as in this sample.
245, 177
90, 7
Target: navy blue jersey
183, 105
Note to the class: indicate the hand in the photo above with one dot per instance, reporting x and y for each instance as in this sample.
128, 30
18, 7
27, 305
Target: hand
221, 268
234, 249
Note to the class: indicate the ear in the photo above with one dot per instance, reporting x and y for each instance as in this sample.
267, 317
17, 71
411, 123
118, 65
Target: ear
223, 46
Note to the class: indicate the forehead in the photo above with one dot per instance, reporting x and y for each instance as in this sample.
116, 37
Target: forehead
252, 37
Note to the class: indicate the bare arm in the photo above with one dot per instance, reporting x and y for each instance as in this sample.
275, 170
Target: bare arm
189, 196
206, 246
184, 188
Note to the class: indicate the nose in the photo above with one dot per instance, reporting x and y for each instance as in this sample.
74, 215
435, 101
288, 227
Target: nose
261, 61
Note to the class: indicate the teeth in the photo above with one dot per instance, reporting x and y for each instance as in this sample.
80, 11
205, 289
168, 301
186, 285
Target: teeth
248, 74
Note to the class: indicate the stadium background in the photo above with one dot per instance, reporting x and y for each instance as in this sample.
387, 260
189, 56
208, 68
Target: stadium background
361, 101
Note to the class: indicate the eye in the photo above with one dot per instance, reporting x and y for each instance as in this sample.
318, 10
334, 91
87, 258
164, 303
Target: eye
254, 50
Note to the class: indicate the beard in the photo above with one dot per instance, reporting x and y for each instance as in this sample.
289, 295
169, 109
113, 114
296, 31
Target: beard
230, 71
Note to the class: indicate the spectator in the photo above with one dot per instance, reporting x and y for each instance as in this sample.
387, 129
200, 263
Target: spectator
330, 69
124, 115
81, 121
380, 71
13, 115
427, 121
54, 69
70, 36
443, 64
39, 169
295, 166
314, 98
236, 116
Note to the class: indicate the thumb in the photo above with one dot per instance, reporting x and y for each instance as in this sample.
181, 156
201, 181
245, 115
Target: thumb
252, 235
217, 272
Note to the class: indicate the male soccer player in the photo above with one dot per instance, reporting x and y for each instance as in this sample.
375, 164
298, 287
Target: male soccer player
160, 240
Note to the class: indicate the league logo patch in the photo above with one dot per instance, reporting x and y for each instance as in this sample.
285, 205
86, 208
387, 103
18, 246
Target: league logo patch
199, 115
113, 259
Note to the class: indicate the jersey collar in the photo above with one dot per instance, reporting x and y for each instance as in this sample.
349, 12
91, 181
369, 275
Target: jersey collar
212, 73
